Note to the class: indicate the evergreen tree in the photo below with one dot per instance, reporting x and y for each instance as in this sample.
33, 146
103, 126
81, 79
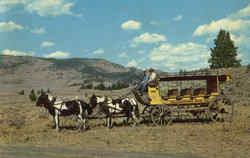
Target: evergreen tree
100, 86
89, 86
224, 54
32, 95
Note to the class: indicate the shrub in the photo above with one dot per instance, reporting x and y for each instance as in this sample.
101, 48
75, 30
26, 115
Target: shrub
32, 95
21, 92
100, 87
248, 68
89, 86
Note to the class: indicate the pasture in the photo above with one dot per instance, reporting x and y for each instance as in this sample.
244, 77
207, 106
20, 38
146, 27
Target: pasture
24, 124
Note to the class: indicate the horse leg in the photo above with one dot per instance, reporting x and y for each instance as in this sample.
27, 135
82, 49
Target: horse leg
56, 117
133, 116
127, 118
83, 120
106, 123
79, 120
54, 121
110, 121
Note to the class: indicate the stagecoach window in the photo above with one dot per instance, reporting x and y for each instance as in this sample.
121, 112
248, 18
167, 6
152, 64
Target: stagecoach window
178, 86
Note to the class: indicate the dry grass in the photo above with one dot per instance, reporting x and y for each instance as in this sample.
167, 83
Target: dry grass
24, 124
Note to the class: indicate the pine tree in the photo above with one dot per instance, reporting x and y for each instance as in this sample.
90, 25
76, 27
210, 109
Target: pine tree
32, 95
224, 54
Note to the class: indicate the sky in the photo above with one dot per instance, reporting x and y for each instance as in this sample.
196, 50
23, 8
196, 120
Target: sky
166, 35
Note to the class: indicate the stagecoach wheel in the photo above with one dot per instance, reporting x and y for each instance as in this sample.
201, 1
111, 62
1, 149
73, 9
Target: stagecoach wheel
156, 115
167, 117
161, 116
145, 115
211, 115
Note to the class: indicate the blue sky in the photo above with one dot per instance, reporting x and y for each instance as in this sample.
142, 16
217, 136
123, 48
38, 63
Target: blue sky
166, 35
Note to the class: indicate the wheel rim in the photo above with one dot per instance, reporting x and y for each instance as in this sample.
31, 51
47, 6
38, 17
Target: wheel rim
160, 116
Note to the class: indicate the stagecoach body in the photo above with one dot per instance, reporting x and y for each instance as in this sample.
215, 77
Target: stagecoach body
187, 103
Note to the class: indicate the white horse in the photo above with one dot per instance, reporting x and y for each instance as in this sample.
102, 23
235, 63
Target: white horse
58, 107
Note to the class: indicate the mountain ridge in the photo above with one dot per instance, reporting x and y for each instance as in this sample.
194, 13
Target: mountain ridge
37, 72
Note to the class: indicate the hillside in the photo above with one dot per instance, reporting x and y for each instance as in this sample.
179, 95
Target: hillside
25, 72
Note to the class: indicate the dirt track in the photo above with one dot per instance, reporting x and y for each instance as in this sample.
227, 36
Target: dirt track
35, 152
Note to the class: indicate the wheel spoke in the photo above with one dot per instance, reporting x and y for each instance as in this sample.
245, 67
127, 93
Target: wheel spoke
160, 116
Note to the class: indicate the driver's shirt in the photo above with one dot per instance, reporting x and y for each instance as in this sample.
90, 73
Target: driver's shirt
152, 77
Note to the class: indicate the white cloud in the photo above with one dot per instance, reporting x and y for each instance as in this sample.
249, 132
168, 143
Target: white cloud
153, 22
6, 5
178, 18
50, 7
132, 63
133, 45
47, 44
174, 57
123, 55
235, 22
131, 25
57, 54
9, 26
242, 40
38, 30
98, 51
239, 56
148, 38
41, 7
227, 24
140, 52
245, 12
16, 53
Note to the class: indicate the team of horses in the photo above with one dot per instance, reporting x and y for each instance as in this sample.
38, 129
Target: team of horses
105, 106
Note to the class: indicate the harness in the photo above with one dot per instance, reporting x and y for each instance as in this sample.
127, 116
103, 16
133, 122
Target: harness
61, 103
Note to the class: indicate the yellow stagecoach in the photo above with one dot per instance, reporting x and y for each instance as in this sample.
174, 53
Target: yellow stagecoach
184, 103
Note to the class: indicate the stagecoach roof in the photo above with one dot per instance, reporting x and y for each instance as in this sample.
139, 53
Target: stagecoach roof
185, 77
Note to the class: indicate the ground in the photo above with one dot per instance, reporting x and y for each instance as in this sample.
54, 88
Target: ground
25, 125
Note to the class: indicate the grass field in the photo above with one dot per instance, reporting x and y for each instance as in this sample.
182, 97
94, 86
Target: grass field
22, 123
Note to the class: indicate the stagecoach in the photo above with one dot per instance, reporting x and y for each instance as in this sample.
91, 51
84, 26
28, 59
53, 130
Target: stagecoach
185, 101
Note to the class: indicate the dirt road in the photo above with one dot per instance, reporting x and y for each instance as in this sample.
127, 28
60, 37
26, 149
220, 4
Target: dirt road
37, 152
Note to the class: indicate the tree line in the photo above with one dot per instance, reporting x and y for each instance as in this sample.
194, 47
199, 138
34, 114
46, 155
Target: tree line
101, 86
33, 94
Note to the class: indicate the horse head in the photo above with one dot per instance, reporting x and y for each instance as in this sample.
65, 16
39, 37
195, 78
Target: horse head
45, 100
93, 101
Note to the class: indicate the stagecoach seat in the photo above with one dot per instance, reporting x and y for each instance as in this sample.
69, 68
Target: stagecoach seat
172, 93
200, 92
164, 97
186, 92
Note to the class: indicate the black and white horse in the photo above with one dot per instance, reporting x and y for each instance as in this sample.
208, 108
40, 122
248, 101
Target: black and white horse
57, 107
110, 107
